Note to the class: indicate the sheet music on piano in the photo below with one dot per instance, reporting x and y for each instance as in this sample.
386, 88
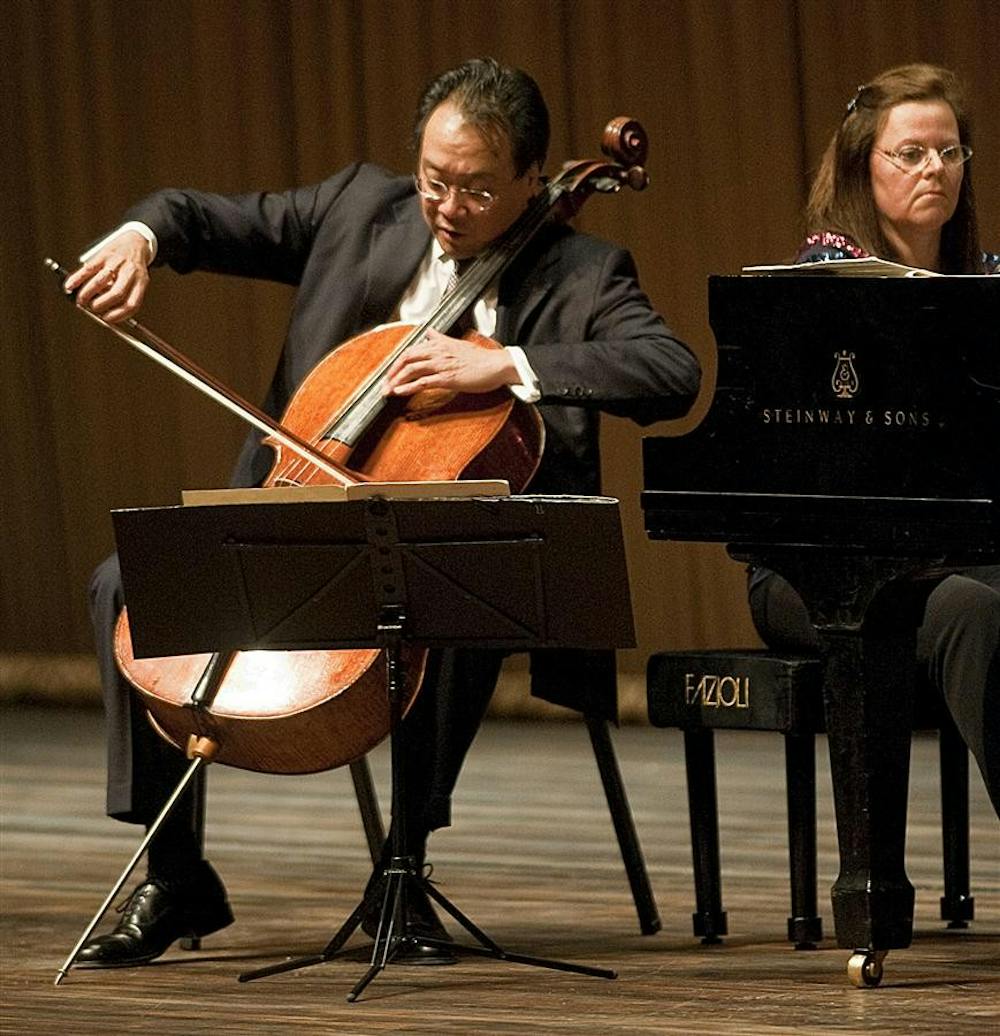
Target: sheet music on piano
871, 266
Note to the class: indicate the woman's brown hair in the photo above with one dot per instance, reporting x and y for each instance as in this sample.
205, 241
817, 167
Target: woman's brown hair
841, 196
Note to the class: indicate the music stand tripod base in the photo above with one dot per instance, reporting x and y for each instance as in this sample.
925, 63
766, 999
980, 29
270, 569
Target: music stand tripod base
401, 875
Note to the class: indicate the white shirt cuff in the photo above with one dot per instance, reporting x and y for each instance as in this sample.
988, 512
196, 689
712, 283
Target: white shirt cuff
527, 391
139, 228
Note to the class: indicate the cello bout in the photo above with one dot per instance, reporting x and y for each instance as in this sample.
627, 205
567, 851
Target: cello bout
276, 711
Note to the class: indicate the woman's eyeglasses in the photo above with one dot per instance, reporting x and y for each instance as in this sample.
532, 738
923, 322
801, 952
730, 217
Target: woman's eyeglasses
911, 158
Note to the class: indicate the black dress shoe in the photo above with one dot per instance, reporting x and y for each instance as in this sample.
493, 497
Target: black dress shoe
420, 922
156, 915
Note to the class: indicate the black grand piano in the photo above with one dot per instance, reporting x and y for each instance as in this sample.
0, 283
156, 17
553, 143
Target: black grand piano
853, 445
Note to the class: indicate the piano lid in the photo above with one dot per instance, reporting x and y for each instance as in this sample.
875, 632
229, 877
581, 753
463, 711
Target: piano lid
856, 411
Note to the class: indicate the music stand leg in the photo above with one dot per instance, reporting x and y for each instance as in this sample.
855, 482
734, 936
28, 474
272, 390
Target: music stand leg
401, 873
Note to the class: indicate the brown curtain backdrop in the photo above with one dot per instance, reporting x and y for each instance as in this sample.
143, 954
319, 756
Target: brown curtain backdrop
106, 100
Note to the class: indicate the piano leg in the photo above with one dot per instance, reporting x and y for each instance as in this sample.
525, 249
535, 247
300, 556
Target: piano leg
868, 697
866, 612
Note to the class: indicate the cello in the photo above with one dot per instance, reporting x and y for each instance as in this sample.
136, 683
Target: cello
307, 711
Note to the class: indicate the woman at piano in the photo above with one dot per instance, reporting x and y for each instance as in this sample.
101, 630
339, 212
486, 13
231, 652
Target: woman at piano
896, 182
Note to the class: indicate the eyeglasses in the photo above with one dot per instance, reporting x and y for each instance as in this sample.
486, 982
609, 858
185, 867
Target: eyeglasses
438, 191
911, 158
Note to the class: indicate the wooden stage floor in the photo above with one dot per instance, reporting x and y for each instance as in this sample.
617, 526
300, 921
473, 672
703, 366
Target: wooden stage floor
532, 859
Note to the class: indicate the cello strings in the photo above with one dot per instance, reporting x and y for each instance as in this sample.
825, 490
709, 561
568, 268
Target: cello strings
368, 397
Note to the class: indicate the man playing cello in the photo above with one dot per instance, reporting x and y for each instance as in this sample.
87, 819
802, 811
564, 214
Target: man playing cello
365, 247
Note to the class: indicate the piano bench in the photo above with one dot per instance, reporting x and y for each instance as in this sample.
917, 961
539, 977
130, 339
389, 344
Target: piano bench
699, 692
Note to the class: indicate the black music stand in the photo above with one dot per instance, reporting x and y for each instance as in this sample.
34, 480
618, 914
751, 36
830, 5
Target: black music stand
489, 572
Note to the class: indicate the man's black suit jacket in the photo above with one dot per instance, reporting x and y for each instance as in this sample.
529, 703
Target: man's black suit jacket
352, 244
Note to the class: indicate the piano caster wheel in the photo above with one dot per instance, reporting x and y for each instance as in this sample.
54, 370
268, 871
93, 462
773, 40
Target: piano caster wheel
865, 968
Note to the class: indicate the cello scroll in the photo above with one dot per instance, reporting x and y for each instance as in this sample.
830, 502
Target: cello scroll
625, 143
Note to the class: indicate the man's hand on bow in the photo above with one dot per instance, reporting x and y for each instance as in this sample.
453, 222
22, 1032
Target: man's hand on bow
112, 283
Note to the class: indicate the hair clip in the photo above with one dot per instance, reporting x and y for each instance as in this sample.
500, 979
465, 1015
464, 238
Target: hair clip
852, 105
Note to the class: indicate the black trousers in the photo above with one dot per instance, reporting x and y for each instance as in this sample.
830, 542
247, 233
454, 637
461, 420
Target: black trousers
143, 769
958, 645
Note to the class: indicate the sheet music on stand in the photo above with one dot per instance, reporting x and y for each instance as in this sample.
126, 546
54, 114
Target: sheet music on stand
358, 491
